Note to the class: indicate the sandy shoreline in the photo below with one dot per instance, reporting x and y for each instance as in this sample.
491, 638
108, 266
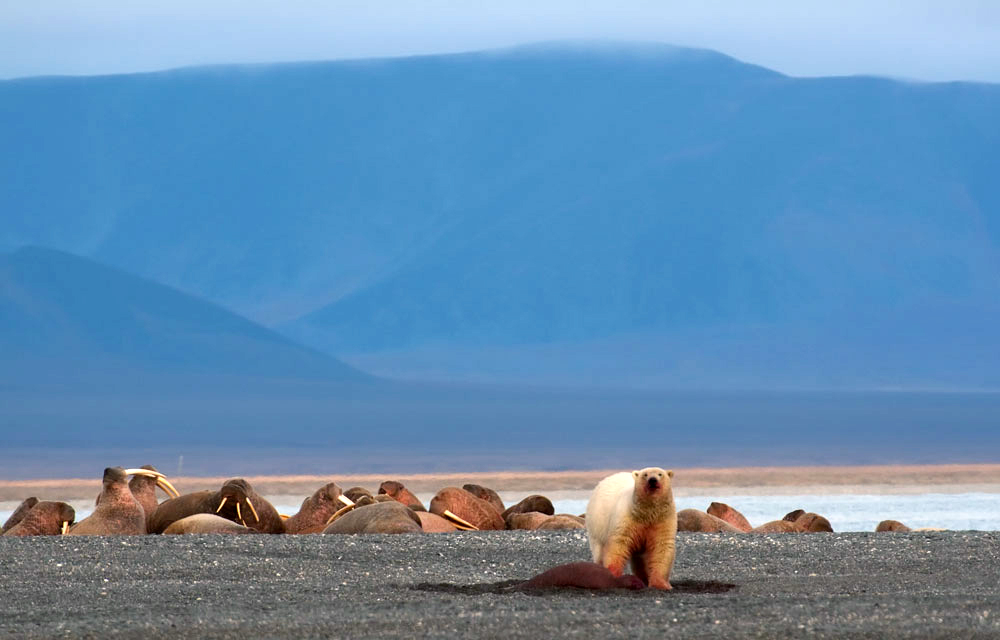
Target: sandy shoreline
946, 478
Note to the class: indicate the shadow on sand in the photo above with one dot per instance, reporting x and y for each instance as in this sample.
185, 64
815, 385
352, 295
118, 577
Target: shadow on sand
511, 586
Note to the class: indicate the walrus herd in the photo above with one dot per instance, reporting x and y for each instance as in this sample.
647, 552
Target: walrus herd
131, 507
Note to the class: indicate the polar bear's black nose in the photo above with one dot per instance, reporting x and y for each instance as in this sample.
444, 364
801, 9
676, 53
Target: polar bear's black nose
652, 483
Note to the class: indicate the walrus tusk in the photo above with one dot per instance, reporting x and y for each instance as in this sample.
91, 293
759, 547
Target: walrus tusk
168, 488
347, 501
284, 516
144, 472
238, 514
254, 511
341, 512
65, 527
451, 516
222, 503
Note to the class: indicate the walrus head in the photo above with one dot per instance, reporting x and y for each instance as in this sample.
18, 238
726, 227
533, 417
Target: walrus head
114, 475
390, 487
238, 492
66, 515
141, 480
652, 481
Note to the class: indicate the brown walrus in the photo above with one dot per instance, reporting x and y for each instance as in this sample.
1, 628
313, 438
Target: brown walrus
562, 522
701, 522
777, 526
452, 501
316, 509
723, 511
813, 523
538, 503
581, 575
528, 521
433, 523
117, 512
43, 519
235, 501
792, 516
381, 517
891, 526
356, 493
487, 494
143, 487
206, 523
170, 511
19, 513
401, 494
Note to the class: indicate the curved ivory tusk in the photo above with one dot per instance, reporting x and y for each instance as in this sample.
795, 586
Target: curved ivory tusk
451, 516
284, 516
221, 504
168, 488
65, 528
341, 512
252, 510
143, 472
347, 501
238, 514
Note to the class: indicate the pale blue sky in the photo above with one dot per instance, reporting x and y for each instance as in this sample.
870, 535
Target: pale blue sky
919, 39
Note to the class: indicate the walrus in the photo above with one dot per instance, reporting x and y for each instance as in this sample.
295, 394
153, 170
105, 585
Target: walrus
401, 494
355, 493
487, 494
562, 522
813, 523
172, 510
891, 526
458, 505
117, 512
538, 503
381, 517
235, 500
44, 519
777, 526
206, 523
528, 521
433, 523
693, 520
316, 509
19, 513
143, 487
581, 575
723, 511
792, 516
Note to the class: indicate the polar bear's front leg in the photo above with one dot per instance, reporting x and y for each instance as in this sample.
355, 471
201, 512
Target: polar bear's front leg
617, 552
659, 556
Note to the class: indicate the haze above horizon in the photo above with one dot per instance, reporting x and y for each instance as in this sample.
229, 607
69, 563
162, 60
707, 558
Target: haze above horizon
927, 40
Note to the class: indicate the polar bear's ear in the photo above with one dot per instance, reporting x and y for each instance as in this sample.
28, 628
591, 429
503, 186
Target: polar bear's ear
670, 474
635, 474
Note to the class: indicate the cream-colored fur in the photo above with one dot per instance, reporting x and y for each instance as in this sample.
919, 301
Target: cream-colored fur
628, 521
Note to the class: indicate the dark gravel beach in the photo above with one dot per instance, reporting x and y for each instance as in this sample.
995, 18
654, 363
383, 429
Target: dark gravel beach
917, 585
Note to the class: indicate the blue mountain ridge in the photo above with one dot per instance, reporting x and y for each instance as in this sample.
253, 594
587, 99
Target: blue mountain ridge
69, 319
602, 214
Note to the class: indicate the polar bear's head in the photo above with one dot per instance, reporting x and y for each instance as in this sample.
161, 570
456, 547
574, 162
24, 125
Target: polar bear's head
652, 481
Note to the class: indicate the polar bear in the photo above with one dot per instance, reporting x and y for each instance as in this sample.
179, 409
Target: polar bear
631, 516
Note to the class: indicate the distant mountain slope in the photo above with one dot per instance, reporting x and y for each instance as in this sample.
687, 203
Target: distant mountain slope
728, 222
62, 316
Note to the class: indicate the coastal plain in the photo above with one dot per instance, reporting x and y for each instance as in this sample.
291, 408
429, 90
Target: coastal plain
859, 585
